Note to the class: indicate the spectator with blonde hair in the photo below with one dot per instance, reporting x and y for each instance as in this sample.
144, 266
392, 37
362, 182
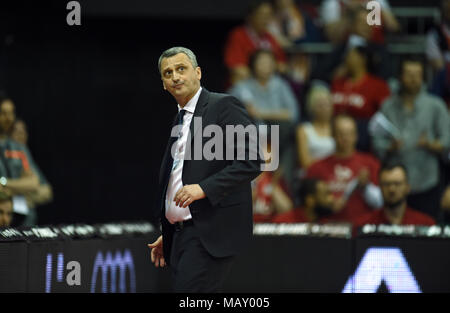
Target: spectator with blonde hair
253, 35
314, 138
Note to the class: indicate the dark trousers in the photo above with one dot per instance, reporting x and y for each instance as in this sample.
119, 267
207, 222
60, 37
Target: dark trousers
193, 268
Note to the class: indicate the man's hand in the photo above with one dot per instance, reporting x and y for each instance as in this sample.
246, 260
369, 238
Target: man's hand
423, 141
188, 194
157, 252
433, 146
253, 111
338, 205
396, 144
5, 190
363, 177
445, 201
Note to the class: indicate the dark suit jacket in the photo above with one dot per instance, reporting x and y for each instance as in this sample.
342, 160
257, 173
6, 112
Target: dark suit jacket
224, 218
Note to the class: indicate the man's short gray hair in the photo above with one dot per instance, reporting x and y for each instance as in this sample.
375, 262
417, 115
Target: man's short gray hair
174, 51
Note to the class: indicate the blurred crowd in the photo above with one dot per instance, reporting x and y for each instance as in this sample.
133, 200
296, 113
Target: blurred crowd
23, 186
362, 139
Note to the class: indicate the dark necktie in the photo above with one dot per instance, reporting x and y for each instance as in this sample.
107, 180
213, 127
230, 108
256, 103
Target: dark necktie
169, 159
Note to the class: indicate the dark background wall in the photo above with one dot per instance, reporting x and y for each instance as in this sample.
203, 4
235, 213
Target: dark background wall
92, 97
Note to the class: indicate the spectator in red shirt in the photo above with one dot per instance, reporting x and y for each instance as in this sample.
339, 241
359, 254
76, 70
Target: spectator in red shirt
317, 202
270, 197
395, 188
246, 39
359, 93
350, 175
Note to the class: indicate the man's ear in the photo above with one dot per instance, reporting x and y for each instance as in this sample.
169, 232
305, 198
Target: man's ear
164, 85
199, 72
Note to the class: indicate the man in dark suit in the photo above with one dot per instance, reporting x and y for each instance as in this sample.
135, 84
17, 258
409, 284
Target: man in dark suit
204, 204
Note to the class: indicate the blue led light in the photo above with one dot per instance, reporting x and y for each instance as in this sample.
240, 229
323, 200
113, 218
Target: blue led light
112, 264
48, 273
60, 268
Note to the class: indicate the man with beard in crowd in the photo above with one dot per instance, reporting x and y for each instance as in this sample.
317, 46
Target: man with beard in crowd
394, 185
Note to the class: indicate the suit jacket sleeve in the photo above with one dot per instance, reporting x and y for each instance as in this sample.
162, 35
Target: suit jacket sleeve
237, 172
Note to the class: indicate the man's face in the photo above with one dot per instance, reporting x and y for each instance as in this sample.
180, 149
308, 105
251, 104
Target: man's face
323, 196
261, 18
322, 107
179, 77
412, 76
19, 132
264, 66
354, 59
7, 115
6, 213
394, 186
345, 134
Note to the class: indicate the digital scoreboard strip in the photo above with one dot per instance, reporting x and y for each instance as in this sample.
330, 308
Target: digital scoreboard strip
114, 257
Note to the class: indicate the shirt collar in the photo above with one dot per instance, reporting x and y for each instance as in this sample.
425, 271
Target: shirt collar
190, 106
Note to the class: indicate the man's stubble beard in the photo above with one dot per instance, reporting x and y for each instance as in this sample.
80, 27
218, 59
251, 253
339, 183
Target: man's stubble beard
391, 206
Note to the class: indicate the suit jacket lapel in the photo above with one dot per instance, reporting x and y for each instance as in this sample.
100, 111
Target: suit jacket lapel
194, 128
166, 153
199, 108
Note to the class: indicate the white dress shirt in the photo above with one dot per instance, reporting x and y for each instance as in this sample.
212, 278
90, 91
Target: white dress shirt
175, 213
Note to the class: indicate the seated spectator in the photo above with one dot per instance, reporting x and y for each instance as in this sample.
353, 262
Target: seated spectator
44, 194
291, 25
350, 175
314, 139
269, 100
270, 197
16, 173
395, 188
334, 66
6, 210
422, 126
337, 19
266, 95
317, 202
244, 40
438, 54
359, 93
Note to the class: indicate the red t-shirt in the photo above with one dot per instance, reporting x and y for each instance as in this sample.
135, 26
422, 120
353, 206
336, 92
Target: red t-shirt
297, 215
242, 42
361, 99
338, 173
262, 206
411, 217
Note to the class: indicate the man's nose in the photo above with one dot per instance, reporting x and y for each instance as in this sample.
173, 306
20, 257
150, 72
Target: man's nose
392, 189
